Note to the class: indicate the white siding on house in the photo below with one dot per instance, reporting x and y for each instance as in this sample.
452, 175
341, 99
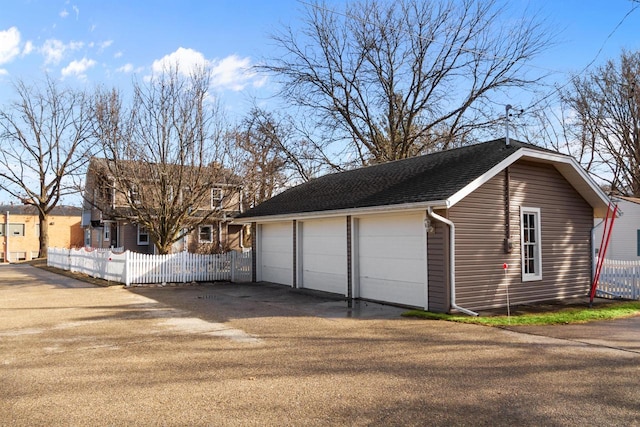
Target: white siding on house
391, 255
322, 259
623, 245
275, 262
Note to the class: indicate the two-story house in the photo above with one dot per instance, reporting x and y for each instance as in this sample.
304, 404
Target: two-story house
109, 218
20, 231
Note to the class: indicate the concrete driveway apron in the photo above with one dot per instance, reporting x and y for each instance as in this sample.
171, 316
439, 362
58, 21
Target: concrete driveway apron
227, 355
622, 334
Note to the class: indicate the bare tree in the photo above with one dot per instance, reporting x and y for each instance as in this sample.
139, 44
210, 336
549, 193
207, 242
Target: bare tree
262, 156
270, 154
397, 79
603, 122
45, 144
165, 153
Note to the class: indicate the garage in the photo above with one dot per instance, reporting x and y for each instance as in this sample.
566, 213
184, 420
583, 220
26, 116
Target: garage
391, 258
323, 248
275, 263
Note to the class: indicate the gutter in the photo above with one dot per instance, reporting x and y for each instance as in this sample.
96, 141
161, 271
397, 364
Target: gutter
452, 261
417, 206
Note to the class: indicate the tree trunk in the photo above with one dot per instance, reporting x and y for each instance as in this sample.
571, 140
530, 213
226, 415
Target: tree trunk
44, 235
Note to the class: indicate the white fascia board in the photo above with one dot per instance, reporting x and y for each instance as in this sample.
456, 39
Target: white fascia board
484, 178
566, 165
405, 207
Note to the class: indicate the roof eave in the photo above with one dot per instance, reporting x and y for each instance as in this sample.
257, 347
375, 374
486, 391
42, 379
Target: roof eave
566, 165
404, 207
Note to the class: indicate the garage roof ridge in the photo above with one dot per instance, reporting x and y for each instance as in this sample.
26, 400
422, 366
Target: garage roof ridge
416, 180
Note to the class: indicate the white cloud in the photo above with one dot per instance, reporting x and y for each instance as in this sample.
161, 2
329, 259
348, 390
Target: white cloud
230, 73
75, 45
28, 48
106, 44
9, 44
76, 10
233, 73
117, 54
54, 50
187, 61
3, 72
64, 13
78, 68
126, 68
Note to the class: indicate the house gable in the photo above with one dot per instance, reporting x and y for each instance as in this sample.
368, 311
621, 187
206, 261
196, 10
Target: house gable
566, 166
481, 222
110, 220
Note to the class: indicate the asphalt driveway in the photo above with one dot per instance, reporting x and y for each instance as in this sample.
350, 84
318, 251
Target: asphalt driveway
75, 354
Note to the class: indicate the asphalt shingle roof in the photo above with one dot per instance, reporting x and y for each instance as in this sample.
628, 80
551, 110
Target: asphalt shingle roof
431, 177
59, 210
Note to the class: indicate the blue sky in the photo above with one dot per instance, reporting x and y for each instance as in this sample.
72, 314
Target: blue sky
108, 42
89, 43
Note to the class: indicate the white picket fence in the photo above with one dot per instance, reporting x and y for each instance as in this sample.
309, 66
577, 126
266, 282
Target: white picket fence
619, 279
132, 268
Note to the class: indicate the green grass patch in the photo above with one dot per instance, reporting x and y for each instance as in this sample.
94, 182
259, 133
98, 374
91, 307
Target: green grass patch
614, 310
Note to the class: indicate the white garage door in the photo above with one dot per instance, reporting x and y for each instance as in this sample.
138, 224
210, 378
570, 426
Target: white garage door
276, 253
392, 258
323, 260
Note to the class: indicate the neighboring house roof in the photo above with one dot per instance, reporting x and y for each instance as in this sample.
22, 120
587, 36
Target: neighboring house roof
31, 210
223, 175
628, 199
439, 180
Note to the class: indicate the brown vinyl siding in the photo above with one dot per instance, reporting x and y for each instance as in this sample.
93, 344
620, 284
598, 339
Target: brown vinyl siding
438, 259
566, 222
129, 239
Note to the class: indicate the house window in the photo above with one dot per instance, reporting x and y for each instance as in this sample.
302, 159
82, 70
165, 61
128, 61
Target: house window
143, 236
134, 195
205, 234
106, 195
107, 232
530, 243
13, 230
216, 198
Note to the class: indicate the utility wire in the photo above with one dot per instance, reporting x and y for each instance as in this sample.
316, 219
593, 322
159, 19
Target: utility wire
484, 54
586, 67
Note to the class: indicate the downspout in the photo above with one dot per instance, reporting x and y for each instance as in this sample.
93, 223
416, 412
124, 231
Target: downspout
452, 261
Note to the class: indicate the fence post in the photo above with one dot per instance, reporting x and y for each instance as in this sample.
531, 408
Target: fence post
636, 282
233, 266
127, 274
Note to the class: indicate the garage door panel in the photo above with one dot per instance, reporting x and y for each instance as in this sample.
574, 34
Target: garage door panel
392, 258
323, 255
327, 282
401, 271
331, 263
410, 247
392, 225
401, 292
276, 261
